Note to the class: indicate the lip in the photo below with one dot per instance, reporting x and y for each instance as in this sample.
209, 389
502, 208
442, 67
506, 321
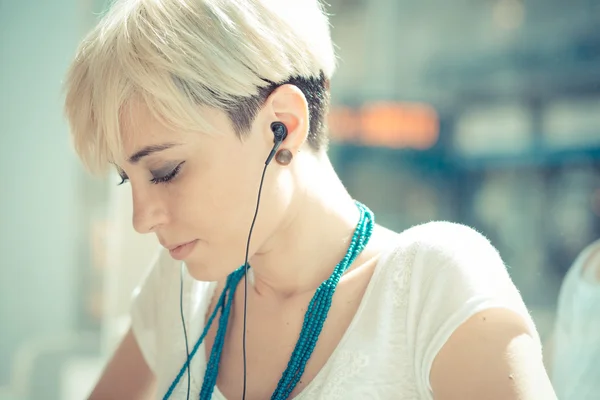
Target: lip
183, 250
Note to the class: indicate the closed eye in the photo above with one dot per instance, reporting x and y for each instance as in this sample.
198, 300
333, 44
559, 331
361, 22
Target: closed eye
169, 176
163, 178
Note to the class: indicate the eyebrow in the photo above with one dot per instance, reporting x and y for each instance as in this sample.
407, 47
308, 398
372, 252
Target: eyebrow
146, 151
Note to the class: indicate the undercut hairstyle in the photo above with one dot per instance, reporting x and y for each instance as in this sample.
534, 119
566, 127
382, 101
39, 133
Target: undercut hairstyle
176, 55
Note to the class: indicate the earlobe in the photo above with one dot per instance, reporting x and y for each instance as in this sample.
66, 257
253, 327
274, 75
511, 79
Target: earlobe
284, 157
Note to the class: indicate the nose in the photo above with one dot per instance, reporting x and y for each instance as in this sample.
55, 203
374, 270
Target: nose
148, 210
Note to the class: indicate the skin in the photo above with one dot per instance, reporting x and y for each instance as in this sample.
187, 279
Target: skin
303, 229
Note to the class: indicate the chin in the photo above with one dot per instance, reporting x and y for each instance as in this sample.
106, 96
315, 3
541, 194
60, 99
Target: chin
207, 272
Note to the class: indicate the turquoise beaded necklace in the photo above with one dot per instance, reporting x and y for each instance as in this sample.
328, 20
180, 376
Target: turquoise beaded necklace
314, 319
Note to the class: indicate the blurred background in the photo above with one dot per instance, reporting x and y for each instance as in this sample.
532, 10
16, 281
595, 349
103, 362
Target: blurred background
484, 112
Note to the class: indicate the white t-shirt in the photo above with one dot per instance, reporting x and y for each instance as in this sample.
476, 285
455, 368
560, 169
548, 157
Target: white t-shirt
427, 284
576, 356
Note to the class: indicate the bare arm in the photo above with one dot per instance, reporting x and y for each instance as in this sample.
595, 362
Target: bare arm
127, 376
491, 356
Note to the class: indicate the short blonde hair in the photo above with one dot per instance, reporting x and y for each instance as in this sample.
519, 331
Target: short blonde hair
174, 55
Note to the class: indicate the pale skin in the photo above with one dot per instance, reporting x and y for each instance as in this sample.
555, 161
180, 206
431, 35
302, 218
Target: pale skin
303, 230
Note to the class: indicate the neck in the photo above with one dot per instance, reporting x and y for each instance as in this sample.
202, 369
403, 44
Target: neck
313, 239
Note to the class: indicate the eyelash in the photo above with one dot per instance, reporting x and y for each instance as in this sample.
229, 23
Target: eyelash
163, 179
169, 177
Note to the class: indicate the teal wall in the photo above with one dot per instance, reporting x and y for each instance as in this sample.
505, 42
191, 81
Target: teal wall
39, 174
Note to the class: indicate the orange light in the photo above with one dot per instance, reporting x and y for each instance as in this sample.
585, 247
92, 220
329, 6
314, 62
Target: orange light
387, 124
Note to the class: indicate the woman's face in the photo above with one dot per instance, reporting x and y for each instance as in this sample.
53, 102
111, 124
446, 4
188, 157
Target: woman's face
197, 192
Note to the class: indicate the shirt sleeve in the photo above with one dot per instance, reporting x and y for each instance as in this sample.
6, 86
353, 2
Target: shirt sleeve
456, 274
144, 309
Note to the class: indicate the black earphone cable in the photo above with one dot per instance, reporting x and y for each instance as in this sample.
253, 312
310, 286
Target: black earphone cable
246, 266
187, 349
280, 135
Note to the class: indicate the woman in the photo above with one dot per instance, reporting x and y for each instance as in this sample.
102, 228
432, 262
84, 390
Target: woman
575, 344
187, 99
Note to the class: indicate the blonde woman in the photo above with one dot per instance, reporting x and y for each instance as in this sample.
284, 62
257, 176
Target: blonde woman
201, 105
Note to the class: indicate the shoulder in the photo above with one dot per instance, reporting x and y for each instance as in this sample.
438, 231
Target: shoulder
439, 246
447, 238
446, 266
441, 274
458, 294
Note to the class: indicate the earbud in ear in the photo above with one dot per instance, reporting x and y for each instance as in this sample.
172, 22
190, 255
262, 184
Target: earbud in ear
280, 133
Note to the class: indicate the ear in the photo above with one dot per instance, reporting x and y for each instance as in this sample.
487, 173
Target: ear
288, 104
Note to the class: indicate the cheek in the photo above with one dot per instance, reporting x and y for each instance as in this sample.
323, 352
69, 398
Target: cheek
217, 204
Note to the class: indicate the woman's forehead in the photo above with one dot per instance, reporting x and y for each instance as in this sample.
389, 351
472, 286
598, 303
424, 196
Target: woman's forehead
140, 128
137, 118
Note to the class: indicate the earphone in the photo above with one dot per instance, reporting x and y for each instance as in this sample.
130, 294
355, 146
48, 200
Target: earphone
279, 134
